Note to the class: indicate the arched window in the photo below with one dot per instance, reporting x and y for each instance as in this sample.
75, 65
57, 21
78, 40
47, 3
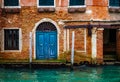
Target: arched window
46, 26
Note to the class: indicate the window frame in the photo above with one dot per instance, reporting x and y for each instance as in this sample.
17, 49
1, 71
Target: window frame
45, 6
112, 6
76, 6
20, 40
19, 6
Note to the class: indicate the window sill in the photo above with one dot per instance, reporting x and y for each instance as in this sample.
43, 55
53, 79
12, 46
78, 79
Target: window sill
11, 51
49, 10
11, 10
114, 9
76, 9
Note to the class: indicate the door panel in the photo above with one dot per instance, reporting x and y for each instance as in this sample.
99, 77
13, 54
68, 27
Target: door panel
40, 45
46, 45
52, 45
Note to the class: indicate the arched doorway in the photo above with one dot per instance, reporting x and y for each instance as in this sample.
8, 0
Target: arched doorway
46, 41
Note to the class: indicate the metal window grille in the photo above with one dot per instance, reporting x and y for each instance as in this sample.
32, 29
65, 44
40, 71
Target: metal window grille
46, 26
11, 39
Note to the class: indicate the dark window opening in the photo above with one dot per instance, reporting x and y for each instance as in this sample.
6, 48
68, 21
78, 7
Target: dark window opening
46, 2
115, 3
112, 36
11, 39
11, 2
76, 2
109, 47
109, 36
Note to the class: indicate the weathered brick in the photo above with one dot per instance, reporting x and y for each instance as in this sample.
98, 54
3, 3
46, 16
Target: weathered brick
100, 46
29, 16
100, 2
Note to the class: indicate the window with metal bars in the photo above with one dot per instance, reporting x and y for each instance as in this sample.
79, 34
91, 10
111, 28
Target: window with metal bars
11, 39
76, 2
46, 2
114, 3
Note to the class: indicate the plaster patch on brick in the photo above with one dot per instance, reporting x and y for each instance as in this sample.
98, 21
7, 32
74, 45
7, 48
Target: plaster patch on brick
68, 47
94, 44
64, 40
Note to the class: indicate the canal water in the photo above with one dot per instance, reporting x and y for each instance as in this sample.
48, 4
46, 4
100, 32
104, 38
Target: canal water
80, 74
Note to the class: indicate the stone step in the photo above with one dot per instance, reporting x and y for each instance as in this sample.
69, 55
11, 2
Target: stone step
109, 56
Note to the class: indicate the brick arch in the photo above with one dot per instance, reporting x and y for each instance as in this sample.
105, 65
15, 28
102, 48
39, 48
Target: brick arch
46, 26
46, 20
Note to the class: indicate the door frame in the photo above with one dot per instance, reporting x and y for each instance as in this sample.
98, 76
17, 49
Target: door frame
34, 34
108, 30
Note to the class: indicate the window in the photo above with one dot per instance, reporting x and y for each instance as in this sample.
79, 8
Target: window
76, 6
11, 39
47, 6
76, 2
114, 3
13, 3
46, 2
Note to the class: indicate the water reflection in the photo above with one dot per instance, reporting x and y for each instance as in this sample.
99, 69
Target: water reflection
87, 74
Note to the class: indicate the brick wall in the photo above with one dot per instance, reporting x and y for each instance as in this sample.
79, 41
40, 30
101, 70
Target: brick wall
100, 2
79, 39
28, 2
100, 45
0, 21
29, 16
0, 11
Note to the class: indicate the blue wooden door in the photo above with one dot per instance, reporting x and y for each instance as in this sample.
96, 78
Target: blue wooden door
46, 45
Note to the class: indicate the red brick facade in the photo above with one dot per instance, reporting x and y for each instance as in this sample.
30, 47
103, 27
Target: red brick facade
100, 45
0, 19
29, 16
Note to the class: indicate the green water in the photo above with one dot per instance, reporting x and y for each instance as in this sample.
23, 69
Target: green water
84, 74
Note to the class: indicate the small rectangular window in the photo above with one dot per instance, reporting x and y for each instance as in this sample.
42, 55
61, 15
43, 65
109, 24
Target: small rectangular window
76, 2
11, 2
114, 3
11, 39
46, 2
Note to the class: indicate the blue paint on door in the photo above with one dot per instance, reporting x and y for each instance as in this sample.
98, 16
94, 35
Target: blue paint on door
46, 45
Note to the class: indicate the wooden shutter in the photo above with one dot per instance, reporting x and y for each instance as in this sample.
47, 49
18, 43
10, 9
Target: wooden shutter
11, 2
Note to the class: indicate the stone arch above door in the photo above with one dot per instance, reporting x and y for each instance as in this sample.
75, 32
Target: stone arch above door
46, 26
46, 20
